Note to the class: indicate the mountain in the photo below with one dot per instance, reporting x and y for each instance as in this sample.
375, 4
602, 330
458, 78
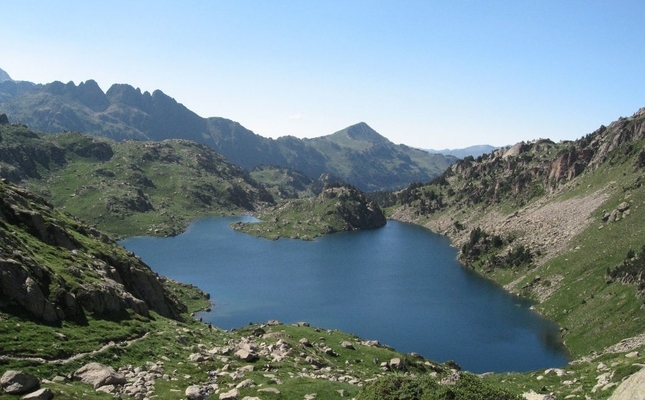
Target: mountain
357, 154
128, 188
473, 151
560, 223
4, 76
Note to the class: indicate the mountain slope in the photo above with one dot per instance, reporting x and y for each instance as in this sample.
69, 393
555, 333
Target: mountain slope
56, 268
357, 154
552, 221
128, 188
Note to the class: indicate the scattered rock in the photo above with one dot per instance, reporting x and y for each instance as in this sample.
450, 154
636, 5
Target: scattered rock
305, 342
347, 345
18, 382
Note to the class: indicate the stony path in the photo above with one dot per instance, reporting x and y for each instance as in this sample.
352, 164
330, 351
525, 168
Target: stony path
125, 343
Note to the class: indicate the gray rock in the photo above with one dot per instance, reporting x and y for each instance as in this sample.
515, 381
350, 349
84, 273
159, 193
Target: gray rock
269, 390
230, 395
245, 383
347, 345
18, 382
622, 207
397, 364
633, 388
41, 394
246, 355
194, 392
99, 375
305, 342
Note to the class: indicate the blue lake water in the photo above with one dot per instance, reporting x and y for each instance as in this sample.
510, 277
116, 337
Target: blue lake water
400, 285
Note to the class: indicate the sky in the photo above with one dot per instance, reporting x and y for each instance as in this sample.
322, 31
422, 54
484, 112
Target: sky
428, 74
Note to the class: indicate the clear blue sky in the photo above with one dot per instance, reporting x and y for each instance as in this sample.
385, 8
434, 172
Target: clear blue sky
430, 74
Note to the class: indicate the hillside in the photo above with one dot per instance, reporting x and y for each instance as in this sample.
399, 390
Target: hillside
55, 268
128, 188
561, 223
338, 208
357, 155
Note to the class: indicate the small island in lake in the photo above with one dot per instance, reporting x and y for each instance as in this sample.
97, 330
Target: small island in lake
338, 208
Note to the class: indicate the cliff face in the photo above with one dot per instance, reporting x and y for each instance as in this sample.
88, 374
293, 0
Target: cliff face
54, 268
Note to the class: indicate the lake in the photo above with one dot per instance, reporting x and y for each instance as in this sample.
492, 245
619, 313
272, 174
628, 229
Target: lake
400, 285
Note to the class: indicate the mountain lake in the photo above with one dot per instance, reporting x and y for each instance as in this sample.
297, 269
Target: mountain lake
400, 285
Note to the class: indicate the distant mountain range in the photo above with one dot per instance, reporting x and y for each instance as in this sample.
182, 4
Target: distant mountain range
474, 151
356, 154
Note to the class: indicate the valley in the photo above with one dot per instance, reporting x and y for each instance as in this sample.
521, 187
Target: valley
558, 223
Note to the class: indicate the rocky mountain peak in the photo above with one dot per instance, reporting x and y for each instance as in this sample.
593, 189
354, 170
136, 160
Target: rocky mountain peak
4, 76
363, 132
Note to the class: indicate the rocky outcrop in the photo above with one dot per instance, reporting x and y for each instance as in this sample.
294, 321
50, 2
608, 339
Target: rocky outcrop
84, 271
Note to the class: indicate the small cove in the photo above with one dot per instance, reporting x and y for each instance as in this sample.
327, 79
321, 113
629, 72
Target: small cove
400, 284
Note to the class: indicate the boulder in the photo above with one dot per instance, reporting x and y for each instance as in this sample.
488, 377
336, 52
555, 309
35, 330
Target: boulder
632, 388
41, 394
347, 345
246, 355
18, 382
230, 395
622, 207
397, 364
269, 390
98, 375
194, 392
305, 342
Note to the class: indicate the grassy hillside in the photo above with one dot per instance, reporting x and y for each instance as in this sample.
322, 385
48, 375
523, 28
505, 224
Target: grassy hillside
128, 188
